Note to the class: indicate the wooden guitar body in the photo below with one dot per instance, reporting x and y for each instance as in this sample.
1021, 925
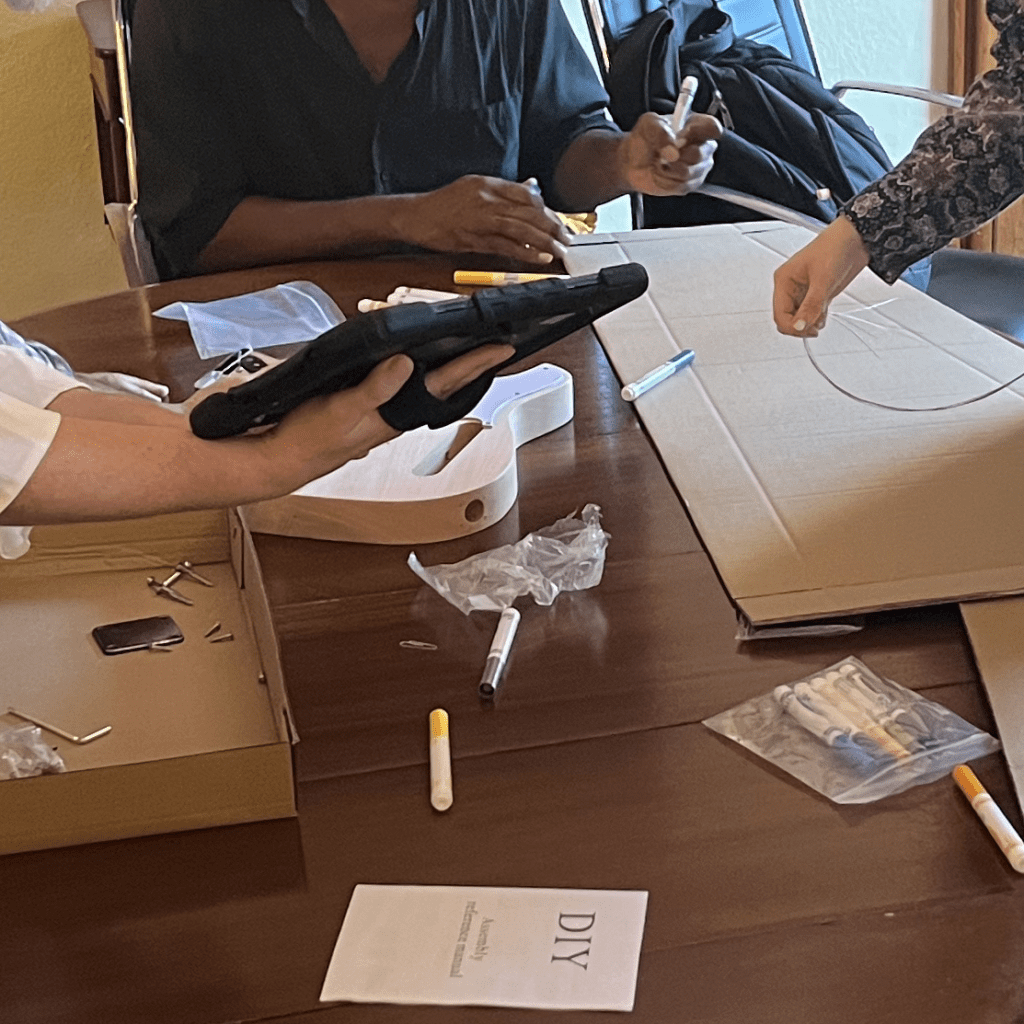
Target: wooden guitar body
429, 485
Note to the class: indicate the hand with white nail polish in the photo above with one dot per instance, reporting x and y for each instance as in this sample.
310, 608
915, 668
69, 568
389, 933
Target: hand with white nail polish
810, 279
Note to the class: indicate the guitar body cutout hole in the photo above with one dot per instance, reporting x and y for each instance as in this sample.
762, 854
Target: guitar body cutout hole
444, 454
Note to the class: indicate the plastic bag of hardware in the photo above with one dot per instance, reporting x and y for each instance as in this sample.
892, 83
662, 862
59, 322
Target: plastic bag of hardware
569, 555
23, 752
852, 735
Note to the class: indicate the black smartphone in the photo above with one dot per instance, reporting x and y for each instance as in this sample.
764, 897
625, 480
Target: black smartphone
137, 634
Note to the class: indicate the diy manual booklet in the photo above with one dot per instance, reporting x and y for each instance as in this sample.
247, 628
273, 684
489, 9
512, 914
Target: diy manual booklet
548, 949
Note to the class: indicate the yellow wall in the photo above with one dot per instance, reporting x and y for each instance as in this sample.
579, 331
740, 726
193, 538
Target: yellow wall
54, 245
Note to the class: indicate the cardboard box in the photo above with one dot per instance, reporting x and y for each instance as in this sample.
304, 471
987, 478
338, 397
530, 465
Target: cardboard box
814, 505
202, 734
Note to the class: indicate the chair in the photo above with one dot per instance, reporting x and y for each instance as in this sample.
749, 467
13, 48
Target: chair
985, 287
105, 23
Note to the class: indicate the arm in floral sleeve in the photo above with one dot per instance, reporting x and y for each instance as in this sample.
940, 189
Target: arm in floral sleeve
962, 171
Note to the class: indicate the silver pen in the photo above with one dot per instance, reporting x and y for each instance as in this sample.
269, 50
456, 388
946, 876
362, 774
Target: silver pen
497, 656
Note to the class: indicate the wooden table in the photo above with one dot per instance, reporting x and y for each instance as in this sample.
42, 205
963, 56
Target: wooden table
768, 904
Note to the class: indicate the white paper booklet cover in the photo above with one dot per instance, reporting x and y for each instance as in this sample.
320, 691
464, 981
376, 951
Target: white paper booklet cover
550, 949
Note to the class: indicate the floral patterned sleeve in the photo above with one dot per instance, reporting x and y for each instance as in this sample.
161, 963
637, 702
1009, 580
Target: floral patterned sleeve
962, 171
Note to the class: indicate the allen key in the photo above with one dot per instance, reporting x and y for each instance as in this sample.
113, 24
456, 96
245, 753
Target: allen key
60, 732
166, 590
185, 569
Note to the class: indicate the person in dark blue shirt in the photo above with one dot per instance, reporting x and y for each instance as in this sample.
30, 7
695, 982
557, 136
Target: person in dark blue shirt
274, 130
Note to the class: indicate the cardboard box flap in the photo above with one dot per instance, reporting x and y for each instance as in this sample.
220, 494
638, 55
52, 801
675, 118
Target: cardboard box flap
150, 543
250, 581
813, 504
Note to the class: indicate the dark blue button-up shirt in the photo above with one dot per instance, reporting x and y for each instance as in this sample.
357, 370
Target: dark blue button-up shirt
236, 98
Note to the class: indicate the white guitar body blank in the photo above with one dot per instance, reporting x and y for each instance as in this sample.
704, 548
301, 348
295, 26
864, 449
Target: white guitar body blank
429, 485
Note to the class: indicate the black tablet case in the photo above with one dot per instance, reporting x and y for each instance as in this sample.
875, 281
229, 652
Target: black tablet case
526, 316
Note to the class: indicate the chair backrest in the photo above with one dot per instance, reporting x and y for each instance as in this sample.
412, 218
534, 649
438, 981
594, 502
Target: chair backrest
122, 34
106, 23
778, 23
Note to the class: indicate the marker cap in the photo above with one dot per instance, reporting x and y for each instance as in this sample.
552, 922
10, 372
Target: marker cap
438, 723
967, 781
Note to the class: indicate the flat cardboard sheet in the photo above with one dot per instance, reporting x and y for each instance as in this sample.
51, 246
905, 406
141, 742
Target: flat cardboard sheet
995, 628
814, 505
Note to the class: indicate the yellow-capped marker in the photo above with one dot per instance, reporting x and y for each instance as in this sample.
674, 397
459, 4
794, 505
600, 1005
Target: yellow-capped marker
440, 761
493, 277
995, 821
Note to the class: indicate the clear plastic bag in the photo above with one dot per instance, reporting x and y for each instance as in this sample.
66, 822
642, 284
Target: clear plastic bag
853, 736
294, 312
24, 752
568, 555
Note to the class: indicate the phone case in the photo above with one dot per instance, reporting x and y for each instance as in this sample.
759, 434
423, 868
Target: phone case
137, 634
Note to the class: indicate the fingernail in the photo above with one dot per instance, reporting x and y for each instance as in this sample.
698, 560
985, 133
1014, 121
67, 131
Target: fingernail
545, 257
799, 325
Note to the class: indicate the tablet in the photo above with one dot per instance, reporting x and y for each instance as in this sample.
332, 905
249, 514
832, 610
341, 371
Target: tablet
527, 316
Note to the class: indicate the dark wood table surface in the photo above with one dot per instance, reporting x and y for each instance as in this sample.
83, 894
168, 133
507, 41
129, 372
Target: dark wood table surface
768, 904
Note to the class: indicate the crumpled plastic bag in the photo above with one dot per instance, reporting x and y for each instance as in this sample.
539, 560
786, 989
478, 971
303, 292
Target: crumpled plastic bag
569, 555
24, 752
287, 313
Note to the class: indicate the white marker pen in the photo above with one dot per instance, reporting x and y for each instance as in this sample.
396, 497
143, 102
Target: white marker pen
497, 656
631, 392
817, 725
369, 305
684, 102
404, 293
440, 761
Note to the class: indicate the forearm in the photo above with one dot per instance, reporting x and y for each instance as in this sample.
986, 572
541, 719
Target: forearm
262, 231
98, 469
590, 171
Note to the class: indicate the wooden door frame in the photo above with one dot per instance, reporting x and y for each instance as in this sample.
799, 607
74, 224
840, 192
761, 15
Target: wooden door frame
971, 36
